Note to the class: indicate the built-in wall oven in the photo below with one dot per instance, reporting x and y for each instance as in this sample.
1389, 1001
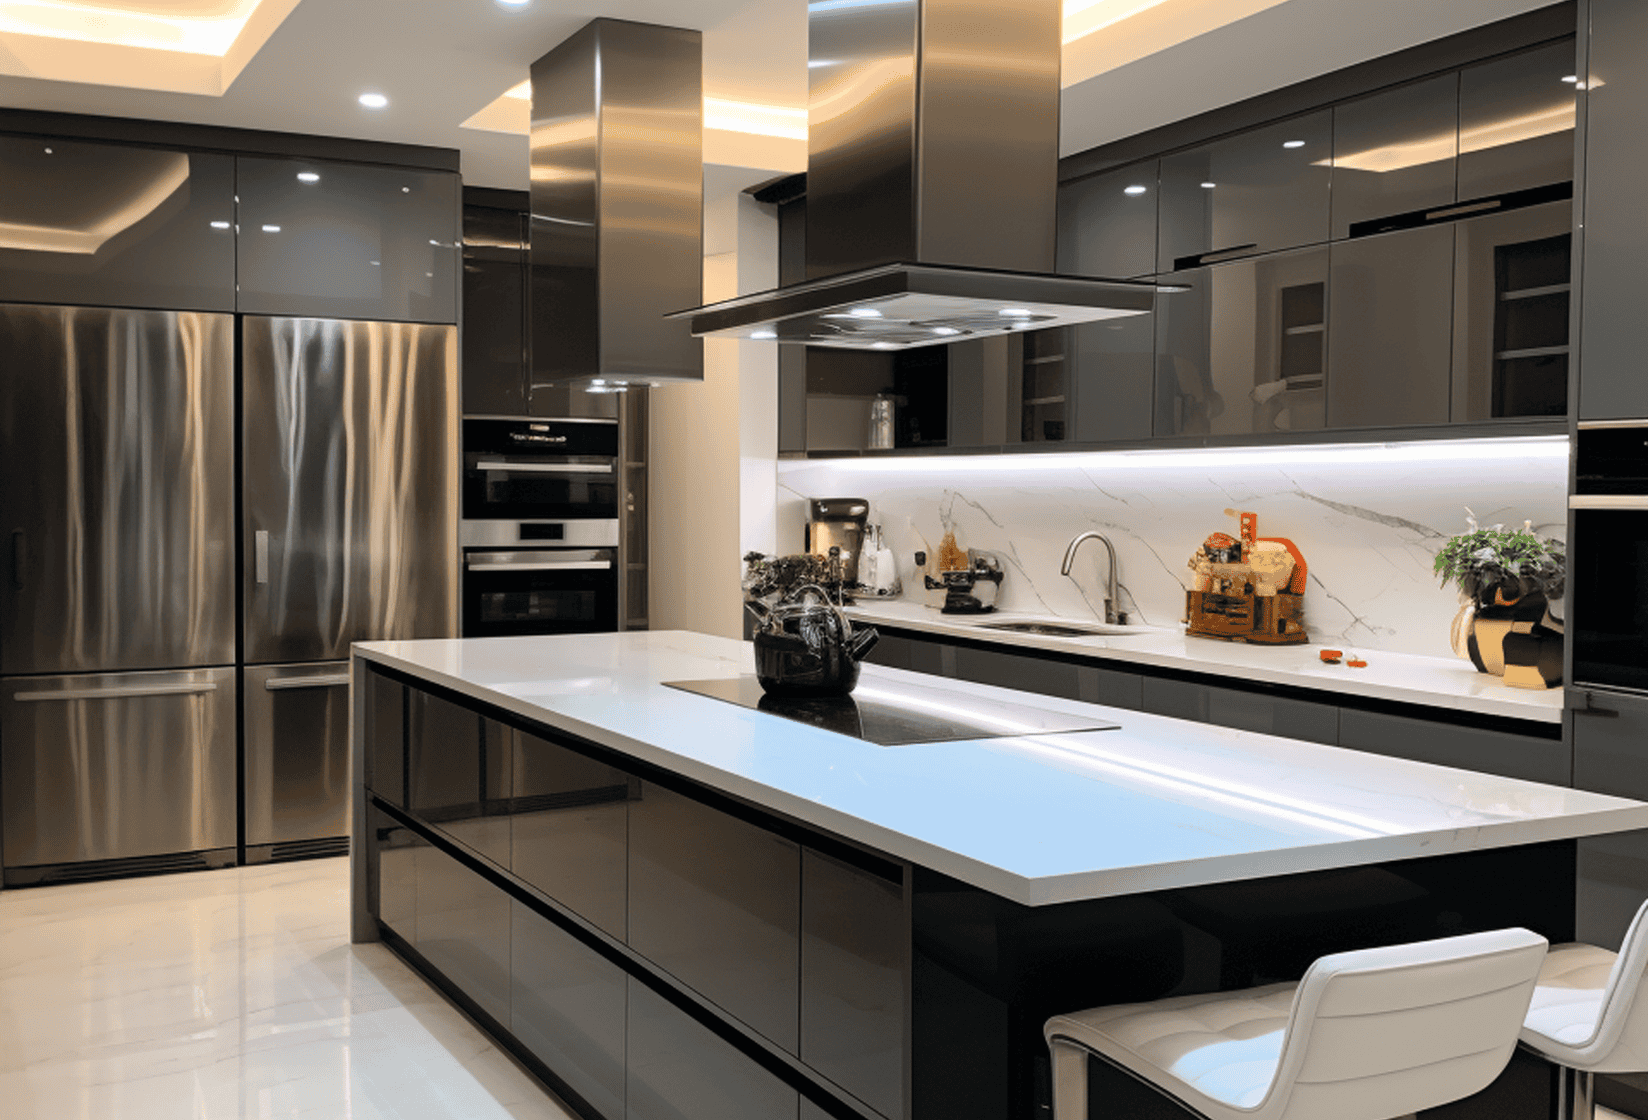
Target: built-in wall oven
1609, 627
540, 526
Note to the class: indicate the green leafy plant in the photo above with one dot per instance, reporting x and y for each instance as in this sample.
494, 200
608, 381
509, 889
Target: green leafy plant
1513, 562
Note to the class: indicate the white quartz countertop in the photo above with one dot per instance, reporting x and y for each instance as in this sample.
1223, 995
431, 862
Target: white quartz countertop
1038, 819
1407, 678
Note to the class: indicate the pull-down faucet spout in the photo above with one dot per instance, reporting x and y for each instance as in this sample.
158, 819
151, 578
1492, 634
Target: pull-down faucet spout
1112, 588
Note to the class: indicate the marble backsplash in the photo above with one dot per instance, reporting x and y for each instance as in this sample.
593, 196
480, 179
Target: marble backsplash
1368, 518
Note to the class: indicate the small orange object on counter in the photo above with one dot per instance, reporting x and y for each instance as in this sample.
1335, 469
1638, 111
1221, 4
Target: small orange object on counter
1357, 663
1332, 656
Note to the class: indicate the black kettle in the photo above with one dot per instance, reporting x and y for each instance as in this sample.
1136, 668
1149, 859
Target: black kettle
806, 646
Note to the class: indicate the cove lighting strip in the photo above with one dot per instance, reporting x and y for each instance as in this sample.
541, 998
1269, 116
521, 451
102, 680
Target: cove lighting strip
1528, 449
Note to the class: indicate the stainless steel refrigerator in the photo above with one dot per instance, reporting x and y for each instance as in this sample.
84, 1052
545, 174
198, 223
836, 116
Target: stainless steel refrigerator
349, 532
117, 642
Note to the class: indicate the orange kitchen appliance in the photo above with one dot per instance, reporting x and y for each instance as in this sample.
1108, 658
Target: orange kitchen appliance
1247, 588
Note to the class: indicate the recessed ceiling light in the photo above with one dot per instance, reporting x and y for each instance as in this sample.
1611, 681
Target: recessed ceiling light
513, 5
764, 334
406, 190
1135, 189
271, 229
220, 225
1571, 79
374, 100
1293, 144
864, 313
48, 151
435, 243
1209, 186
308, 177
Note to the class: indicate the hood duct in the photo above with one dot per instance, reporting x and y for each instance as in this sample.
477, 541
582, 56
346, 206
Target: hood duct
932, 183
617, 206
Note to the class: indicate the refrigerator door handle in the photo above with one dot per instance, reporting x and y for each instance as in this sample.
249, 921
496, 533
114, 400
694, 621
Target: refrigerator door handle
260, 555
330, 680
19, 558
118, 693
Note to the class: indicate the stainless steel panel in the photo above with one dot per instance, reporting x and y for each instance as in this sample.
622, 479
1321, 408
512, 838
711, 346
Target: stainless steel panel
617, 204
508, 534
350, 466
296, 775
116, 485
123, 765
548, 560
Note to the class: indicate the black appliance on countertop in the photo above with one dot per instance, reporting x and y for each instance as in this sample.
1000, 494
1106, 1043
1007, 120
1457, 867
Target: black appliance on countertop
540, 526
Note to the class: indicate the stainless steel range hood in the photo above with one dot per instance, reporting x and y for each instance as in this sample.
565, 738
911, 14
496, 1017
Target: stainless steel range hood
932, 183
617, 206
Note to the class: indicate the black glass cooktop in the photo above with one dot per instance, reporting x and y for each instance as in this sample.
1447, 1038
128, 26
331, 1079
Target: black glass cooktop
893, 714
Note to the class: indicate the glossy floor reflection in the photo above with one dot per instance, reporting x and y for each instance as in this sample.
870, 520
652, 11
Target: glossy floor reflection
234, 995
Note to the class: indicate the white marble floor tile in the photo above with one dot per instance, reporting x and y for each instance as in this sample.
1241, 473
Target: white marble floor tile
230, 995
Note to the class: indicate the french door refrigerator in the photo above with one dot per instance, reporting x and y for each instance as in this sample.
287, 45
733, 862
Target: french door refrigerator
349, 532
117, 643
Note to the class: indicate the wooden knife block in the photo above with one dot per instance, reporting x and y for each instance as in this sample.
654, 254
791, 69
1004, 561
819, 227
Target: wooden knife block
1268, 619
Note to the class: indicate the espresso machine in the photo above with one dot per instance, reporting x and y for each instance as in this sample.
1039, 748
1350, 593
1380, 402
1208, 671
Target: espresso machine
838, 523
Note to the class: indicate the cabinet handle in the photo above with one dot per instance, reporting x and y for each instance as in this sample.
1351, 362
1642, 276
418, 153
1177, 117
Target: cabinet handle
260, 555
19, 558
125, 693
1213, 256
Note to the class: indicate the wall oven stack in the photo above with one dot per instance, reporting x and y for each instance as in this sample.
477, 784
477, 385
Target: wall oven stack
540, 528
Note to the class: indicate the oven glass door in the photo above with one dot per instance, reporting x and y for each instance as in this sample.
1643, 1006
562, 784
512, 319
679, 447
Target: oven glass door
1609, 629
559, 591
523, 487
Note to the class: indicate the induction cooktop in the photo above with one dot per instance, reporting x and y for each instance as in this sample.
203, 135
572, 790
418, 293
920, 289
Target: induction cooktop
895, 714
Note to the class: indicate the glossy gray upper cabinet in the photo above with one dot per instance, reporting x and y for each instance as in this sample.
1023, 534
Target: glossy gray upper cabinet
106, 225
1243, 351
343, 241
1390, 329
1516, 122
1110, 378
1107, 223
1254, 193
495, 362
1395, 153
1614, 331
1512, 309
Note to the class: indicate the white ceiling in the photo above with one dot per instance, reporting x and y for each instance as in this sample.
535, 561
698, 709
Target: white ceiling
439, 61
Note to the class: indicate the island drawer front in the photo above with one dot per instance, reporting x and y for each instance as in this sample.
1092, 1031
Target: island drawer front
567, 1007
386, 738
1469, 748
1244, 711
463, 929
680, 1070
855, 977
569, 833
716, 902
396, 851
458, 774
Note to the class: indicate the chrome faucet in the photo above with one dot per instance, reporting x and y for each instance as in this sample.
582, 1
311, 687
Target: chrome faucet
1112, 589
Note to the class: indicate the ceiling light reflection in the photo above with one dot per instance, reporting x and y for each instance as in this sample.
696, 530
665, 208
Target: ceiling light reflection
374, 100
308, 177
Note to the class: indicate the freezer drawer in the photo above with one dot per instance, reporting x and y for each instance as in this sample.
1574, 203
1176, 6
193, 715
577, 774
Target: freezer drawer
297, 753
117, 766
117, 490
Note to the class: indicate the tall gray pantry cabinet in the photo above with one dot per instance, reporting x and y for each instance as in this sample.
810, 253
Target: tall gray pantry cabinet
202, 509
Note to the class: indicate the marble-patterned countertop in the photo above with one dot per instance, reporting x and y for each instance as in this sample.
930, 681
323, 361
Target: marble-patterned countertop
1038, 818
1406, 678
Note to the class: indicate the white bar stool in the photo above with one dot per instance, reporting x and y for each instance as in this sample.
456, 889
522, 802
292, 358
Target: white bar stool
1588, 1016
1367, 1035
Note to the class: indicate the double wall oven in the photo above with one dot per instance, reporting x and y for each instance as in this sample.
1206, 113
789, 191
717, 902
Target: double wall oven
540, 526
1609, 630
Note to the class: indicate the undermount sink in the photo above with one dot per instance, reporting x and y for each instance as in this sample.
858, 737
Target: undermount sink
1067, 629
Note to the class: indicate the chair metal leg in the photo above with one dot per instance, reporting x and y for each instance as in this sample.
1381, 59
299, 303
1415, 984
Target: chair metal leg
1575, 1094
1069, 1082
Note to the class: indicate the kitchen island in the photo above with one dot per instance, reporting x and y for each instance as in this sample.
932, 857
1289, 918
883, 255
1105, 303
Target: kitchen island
671, 906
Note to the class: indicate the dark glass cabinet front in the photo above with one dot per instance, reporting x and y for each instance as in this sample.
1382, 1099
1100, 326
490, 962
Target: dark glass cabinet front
1609, 627
344, 241
495, 354
104, 224
1395, 154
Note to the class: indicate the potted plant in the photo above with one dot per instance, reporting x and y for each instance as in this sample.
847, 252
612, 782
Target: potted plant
1511, 583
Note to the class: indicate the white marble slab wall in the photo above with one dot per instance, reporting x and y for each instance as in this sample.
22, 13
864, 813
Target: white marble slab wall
1368, 518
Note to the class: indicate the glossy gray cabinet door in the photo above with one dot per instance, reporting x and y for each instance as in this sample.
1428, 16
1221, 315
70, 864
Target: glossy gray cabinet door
716, 901
459, 770
495, 359
463, 929
1512, 312
397, 855
1469, 748
1614, 331
117, 489
1107, 223
1244, 351
1516, 122
386, 738
1110, 378
855, 977
1264, 190
1390, 329
567, 1006
569, 830
105, 224
1244, 711
678, 1070
1395, 153
347, 241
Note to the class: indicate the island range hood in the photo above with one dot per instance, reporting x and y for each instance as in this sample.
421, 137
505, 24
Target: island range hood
932, 184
